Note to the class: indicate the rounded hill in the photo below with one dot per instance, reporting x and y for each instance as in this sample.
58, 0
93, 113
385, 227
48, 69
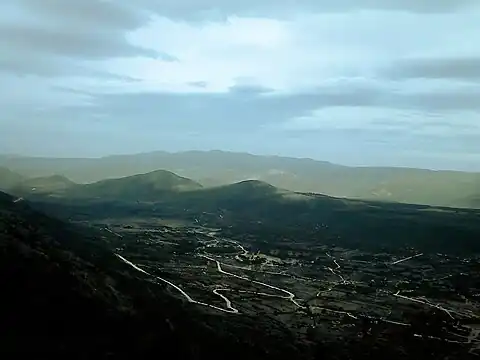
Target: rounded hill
143, 187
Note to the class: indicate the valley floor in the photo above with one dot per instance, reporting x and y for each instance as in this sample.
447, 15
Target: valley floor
323, 293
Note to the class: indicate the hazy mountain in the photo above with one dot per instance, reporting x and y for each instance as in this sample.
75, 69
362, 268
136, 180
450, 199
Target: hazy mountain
358, 223
244, 189
146, 187
212, 168
9, 178
46, 184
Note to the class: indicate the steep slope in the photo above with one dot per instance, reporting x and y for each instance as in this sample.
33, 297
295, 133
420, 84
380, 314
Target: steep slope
8, 178
214, 168
48, 291
144, 187
64, 293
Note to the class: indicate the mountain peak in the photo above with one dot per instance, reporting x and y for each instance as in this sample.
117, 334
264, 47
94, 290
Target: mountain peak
254, 183
149, 186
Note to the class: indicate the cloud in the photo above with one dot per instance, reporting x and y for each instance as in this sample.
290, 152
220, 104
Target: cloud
200, 10
379, 120
89, 28
295, 54
305, 78
106, 14
460, 68
70, 43
59, 38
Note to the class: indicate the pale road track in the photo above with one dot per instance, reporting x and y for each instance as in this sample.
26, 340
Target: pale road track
290, 296
230, 309
448, 312
338, 266
340, 276
405, 259
113, 232
336, 311
228, 303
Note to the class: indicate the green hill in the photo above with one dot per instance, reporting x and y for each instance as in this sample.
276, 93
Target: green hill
8, 178
352, 223
260, 206
244, 189
214, 168
143, 187
47, 184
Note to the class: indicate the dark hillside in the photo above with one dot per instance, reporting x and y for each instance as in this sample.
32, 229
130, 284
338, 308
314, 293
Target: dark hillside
64, 293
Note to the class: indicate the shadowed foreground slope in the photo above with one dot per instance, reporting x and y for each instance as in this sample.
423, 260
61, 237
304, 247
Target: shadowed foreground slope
65, 293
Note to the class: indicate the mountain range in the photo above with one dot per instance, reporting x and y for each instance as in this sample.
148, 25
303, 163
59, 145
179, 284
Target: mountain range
59, 278
214, 168
257, 204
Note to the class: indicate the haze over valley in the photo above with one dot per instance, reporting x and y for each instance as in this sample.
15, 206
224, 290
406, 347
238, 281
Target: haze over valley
205, 179
214, 168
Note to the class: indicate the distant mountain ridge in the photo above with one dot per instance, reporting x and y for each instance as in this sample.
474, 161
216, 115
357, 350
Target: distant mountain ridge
214, 168
259, 205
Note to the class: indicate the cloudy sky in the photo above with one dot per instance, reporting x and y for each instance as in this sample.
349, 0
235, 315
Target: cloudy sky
362, 82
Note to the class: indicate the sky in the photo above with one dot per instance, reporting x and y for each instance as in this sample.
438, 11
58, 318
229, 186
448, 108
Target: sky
356, 82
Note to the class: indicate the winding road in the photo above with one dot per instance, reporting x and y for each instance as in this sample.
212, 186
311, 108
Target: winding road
229, 309
228, 303
289, 295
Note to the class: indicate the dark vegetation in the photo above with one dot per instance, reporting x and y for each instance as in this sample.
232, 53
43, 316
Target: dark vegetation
260, 207
142, 187
64, 293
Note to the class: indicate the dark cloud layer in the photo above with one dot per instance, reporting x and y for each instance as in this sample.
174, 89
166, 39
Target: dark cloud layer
47, 66
49, 47
462, 68
245, 108
107, 15
51, 37
95, 44
201, 9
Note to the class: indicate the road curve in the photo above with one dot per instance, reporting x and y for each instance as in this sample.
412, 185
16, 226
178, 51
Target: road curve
228, 303
290, 296
230, 309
